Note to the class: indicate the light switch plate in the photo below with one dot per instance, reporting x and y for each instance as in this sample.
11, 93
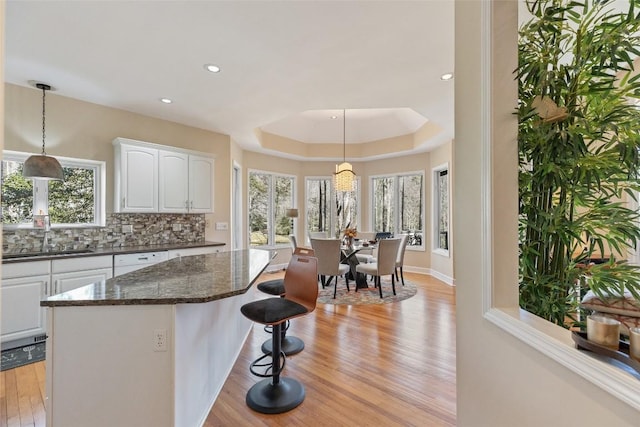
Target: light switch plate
222, 225
127, 228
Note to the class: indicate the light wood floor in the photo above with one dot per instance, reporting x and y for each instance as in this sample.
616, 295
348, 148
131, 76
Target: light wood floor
374, 365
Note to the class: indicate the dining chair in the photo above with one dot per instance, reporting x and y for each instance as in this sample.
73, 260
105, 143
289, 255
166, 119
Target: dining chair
385, 265
328, 253
404, 239
318, 235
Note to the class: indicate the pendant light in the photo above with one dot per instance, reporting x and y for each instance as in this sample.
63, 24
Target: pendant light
344, 177
42, 166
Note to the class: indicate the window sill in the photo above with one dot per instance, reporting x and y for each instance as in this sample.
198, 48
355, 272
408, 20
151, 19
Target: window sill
442, 252
556, 343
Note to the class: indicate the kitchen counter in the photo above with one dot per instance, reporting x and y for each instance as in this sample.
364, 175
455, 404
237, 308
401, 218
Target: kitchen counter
152, 347
190, 279
75, 253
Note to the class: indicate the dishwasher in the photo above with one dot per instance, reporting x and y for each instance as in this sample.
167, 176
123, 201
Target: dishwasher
130, 262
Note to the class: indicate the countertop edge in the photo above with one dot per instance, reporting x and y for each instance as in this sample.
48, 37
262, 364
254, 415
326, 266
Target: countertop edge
154, 301
115, 251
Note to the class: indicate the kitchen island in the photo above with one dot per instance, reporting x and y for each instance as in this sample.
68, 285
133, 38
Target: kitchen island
149, 348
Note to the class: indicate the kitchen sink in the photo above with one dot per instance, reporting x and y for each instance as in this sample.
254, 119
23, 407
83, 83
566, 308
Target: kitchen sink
50, 253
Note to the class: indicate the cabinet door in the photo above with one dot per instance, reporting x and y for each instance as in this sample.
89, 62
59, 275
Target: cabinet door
64, 282
22, 315
174, 181
139, 179
200, 184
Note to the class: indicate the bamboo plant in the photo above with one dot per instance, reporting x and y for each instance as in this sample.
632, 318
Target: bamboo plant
579, 142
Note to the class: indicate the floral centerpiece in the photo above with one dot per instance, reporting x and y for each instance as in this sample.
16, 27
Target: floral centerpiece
349, 234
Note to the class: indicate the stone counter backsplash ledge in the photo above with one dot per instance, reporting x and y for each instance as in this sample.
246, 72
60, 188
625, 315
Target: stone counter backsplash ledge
148, 229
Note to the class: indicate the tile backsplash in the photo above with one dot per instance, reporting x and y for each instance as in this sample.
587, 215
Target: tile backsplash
147, 229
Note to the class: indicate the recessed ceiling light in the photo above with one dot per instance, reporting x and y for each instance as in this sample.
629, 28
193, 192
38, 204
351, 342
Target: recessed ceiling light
446, 76
212, 68
166, 100
333, 117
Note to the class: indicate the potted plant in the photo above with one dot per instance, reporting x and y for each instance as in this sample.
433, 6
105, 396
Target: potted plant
578, 142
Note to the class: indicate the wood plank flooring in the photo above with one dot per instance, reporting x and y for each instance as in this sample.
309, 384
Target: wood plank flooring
374, 365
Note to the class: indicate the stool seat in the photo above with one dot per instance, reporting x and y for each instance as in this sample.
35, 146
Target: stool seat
272, 287
272, 311
290, 345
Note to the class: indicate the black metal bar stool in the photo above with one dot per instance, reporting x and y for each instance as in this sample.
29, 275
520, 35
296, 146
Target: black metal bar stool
290, 345
274, 394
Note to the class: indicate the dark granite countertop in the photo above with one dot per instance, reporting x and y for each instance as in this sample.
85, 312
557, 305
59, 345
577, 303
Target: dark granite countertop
41, 256
189, 279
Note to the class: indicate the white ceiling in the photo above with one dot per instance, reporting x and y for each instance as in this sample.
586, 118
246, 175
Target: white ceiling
281, 61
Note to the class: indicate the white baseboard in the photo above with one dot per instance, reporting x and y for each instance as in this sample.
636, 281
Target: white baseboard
442, 277
430, 272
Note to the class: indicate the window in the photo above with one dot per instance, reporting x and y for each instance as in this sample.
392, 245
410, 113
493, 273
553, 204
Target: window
270, 195
330, 211
397, 203
441, 209
78, 200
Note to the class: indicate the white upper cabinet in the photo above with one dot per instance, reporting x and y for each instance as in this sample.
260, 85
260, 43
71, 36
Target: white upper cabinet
182, 180
200, 184
136, 178
174, 181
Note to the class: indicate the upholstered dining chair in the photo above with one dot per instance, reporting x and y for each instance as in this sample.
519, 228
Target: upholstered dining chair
328, 253
404, 239
274, 394
385, 265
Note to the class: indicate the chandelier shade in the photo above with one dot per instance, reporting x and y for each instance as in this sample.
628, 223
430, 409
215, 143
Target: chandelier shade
344, 177
42, 166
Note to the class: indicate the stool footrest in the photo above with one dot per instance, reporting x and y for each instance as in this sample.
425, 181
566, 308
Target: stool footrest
267, 368
290, 346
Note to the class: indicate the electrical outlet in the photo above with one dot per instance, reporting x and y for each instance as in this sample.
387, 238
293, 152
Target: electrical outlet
159, 340
127, 228
177, 227
222, 225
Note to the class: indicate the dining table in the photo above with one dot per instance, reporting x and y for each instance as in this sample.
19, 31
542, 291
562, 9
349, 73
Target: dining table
348, 256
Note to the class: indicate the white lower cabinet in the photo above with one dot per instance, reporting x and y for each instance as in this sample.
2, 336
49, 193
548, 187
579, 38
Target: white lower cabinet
72, 273
23, 286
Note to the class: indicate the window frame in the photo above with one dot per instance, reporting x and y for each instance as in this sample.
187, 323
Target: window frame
435, 209
41, 190
332, 203
270, 209
422, 247
499, 287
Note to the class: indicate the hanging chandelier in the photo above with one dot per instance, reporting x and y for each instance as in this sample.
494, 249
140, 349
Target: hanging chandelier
42, 166
344, 177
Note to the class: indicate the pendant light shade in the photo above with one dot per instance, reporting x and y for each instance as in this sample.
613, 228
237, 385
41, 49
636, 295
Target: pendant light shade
42, 166
344, 178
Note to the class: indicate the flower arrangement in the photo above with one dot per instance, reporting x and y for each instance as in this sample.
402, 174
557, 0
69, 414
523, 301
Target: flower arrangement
350, 232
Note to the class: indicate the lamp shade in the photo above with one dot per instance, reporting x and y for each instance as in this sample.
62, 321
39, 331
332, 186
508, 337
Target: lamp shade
344, 177
43, 167
292, 213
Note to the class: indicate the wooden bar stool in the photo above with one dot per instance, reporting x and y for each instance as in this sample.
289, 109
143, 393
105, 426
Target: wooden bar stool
274, 394
289, 345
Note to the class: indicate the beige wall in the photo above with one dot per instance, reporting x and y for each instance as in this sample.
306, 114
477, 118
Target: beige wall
83, 130
501, 381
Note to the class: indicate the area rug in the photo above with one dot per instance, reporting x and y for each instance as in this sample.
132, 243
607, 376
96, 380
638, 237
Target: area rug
22, 356
370, 295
